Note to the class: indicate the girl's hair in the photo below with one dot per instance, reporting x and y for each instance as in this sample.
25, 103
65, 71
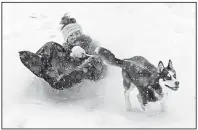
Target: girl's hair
65, 20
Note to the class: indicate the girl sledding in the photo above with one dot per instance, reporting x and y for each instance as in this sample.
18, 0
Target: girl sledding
64, 66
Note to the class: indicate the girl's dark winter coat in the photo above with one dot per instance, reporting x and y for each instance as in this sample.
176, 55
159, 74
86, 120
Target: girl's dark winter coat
60, 69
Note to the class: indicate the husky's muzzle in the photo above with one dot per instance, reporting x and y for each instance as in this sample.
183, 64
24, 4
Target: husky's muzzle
173, 88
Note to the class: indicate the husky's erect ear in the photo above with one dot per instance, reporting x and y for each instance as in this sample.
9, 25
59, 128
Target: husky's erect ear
160, 66
170, 64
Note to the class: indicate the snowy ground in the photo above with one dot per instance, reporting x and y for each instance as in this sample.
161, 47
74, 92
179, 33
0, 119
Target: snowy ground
155, 31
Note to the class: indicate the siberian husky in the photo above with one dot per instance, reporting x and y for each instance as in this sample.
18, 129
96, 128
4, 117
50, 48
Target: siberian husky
148, 79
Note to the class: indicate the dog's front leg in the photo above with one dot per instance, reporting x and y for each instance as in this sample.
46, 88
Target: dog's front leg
163, 102
143, 106
140, 100
143, 100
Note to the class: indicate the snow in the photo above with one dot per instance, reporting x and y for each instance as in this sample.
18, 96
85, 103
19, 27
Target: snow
77, 51
155, 31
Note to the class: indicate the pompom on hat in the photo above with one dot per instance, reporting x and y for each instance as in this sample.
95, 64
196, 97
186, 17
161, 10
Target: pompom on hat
69, 26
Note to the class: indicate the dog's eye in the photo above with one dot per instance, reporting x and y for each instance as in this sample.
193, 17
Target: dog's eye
174, 76
168, 77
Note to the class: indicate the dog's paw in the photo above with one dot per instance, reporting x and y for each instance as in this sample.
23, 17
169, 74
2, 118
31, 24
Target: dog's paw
162, 108
128, 109
145, 108
128, 106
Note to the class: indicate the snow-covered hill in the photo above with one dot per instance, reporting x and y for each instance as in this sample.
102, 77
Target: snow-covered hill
155, 31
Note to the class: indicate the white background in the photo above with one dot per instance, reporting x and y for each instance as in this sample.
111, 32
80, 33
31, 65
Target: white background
155, 31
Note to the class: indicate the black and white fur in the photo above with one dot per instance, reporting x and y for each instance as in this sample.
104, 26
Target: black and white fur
140, 73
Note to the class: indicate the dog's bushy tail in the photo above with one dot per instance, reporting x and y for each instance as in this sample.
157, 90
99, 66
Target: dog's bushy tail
109, 57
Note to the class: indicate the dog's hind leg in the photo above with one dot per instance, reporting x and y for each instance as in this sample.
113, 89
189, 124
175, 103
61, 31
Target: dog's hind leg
128, 88
127, 94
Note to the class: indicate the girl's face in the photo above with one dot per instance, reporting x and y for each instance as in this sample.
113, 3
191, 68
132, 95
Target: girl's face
73, 37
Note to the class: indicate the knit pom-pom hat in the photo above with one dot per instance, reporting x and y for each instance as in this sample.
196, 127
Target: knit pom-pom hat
69, 26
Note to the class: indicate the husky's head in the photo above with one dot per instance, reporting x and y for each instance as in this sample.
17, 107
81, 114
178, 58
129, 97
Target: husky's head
167, 76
